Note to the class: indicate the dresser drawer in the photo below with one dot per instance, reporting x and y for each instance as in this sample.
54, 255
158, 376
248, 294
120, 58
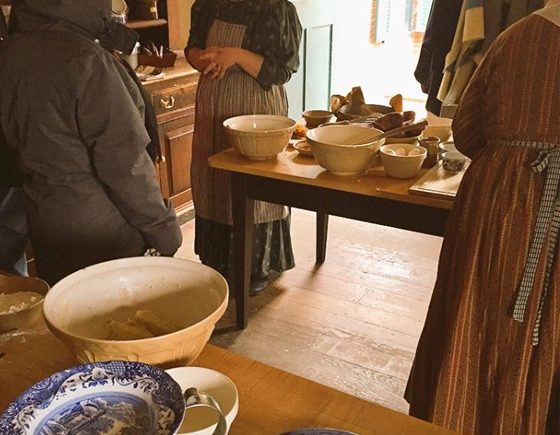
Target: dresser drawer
178, 97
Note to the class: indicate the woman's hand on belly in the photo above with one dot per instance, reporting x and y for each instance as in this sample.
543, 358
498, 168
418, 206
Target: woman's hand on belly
223, 58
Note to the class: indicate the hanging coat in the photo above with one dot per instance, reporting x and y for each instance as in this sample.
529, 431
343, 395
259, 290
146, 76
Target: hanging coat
91, 192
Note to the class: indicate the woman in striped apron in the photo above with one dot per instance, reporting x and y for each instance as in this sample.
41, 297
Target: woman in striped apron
488, 360
246, 50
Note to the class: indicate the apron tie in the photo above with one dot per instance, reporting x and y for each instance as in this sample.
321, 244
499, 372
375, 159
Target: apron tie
547, 224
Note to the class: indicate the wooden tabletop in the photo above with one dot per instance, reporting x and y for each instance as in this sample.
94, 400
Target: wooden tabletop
271, 401
291, 166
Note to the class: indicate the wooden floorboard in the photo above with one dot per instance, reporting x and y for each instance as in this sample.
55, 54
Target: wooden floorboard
352, 323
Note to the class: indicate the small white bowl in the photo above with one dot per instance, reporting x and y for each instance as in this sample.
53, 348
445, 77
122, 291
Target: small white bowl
441, 131
344, 149
259, 137
453, 161
402, 166
201, 421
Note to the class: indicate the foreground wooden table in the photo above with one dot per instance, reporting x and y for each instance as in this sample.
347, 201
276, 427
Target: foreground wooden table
271, 401
298, 181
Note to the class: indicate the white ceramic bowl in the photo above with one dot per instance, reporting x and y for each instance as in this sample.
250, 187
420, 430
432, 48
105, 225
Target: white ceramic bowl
402, 166
259, 137
202, 421
189, 296
441, 131
453, 161
344, 149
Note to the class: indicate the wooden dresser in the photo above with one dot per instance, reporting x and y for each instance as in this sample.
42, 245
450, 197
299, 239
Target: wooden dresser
173, 98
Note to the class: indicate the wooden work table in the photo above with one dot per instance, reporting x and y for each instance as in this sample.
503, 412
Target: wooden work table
271, 401
298, 181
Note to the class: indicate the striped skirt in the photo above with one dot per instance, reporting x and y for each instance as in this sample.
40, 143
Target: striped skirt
488, 360
237, 94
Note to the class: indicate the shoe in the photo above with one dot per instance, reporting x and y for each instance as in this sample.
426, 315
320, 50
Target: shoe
257, 286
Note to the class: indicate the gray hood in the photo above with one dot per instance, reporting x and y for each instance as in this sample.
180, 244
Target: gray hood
89, 17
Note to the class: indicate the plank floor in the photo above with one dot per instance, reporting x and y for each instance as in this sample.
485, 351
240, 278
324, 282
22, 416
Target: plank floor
354, 322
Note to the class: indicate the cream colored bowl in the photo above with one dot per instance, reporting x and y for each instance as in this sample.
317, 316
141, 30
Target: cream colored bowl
441, 131
259, 137
188, 295
402, 166
344, 149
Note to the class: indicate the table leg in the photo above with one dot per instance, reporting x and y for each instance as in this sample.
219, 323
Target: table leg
242, 213
321, 237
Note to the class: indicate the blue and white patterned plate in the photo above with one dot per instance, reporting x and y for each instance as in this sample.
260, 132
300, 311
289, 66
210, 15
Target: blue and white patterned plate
114, 397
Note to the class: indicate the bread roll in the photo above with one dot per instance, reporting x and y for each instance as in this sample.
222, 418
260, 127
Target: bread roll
153, 323
129, 330
397, 103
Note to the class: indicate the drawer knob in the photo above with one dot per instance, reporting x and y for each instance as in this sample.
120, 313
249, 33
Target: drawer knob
167, 103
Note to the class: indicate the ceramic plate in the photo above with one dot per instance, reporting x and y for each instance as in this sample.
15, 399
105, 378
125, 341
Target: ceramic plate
99, 398
304, 148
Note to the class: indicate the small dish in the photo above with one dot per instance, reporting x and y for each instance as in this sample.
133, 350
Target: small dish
304, 148
200, 421
453, 161
314, 118
99, 398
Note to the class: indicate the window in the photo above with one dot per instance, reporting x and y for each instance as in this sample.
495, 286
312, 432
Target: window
397, 17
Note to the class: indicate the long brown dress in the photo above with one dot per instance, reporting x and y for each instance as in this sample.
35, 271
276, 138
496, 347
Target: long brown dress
477, 369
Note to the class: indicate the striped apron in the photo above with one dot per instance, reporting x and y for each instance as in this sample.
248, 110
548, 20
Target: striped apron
236, 94
547, 227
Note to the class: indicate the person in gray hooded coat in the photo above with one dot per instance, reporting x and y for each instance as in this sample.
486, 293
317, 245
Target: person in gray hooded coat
78, 129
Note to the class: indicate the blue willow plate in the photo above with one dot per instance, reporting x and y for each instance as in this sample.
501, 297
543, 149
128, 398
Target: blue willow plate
112, 397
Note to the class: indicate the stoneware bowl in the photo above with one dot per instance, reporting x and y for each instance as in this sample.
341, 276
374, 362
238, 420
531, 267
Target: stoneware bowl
314, 118
453, 161
441, 131
29, 314
344, 149
402, 166
189, 296
203, 421
259, 137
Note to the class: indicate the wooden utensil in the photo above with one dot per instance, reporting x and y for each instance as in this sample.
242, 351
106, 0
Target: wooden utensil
390, 133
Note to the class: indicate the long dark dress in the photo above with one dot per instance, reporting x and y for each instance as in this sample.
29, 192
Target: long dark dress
478, 369
270, 28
